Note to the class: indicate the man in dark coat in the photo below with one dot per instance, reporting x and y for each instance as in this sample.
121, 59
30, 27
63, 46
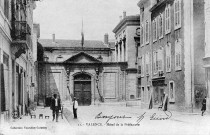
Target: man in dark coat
203, 109
55, 107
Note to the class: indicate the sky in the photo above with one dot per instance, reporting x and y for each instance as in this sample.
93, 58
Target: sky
64, 17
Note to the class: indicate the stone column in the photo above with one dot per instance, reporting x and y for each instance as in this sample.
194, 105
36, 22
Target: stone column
118, 53
123, 51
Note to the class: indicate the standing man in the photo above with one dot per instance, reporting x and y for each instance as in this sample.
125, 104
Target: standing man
75, 106
203, 109
55, 107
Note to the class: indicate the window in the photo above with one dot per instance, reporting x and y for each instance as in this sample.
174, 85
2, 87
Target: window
142, 89
141, 14
160, 59
168, 57
171, 91
141, 35
148, 93
132, 96
147, 32
147, 63
155, 62
160, 26
154, 25
142, 66
177, 14
6, 8
139, 88
168, 19
178, 54
139, 65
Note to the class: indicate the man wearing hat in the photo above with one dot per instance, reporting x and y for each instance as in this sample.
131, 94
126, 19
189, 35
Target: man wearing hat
75, 106
55, 106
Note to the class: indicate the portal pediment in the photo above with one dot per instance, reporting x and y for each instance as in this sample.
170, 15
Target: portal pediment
82, 57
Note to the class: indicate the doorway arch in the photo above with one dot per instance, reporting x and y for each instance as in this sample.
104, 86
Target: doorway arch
82, 88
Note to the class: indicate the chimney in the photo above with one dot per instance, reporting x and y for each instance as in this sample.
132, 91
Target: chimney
53, 37
106, 39
120, 18
124, 14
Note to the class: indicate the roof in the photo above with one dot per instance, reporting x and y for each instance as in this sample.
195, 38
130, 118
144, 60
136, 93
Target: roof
128, 20
159, 4
71, 43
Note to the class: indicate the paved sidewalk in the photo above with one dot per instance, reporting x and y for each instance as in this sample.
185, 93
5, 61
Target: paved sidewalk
36, 126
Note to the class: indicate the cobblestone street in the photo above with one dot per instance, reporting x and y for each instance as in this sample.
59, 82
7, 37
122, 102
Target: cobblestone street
95, 120
178, 123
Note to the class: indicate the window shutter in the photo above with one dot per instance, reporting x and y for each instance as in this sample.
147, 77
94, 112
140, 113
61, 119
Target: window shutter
175, 15
179, 12
169, 18
166, 14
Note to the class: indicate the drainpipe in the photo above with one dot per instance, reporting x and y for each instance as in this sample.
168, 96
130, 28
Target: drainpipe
191, 55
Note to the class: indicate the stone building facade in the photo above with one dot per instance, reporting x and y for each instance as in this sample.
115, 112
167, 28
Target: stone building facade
87, 72
206, 59
175, 51
126, 43
17, 62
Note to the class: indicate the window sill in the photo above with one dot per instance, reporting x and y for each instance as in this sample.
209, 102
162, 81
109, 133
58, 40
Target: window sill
178, 69
154, 40
109, 97
172, 101
168, 32
177, 27
161, 37
155, 73
169, 71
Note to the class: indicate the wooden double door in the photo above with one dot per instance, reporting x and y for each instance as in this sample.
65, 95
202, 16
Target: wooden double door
82, 91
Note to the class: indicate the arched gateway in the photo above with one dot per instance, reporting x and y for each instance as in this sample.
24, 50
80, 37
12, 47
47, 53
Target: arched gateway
82, 88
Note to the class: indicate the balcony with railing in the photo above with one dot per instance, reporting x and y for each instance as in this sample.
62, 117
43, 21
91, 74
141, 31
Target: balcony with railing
21, 35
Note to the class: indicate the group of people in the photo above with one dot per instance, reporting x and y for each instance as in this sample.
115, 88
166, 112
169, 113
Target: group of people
56, 106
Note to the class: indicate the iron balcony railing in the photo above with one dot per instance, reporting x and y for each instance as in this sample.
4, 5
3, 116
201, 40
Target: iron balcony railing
22, 32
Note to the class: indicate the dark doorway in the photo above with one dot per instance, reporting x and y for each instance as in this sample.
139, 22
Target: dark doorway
82, 89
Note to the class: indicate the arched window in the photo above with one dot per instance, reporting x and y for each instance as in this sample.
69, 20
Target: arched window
83, 77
